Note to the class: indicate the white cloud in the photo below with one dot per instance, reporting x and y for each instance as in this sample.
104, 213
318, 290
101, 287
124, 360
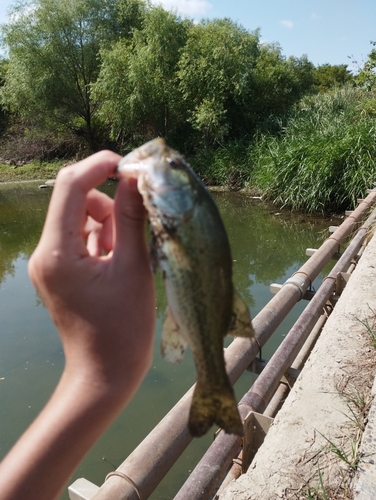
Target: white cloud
187, 7
315, 17
287, 23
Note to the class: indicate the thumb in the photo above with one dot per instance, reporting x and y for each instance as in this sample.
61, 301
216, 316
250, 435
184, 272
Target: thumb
130, 217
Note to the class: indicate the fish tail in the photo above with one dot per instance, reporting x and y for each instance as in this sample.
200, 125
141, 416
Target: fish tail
212, 405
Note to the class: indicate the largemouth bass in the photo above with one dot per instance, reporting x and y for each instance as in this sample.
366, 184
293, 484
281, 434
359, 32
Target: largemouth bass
190, 245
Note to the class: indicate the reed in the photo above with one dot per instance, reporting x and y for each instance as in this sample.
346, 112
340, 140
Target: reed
324, 158
224, 166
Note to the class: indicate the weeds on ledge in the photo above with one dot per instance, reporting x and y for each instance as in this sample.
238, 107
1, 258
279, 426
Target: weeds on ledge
370, 325
355, 389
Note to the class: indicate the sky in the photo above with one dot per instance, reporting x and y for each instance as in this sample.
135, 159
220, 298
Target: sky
327, 31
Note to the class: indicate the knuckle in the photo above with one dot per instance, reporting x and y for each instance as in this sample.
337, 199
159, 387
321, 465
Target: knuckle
43, 269
66, 175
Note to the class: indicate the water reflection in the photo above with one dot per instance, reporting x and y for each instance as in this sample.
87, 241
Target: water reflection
23, 210
266, 248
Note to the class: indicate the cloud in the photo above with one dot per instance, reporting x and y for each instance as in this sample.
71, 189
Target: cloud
187, 7
315, 16
287, 23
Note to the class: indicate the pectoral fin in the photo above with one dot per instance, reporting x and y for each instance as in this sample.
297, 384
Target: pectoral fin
173, 345
241, 324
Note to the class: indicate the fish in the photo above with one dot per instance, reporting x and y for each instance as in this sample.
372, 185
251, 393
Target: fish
189, 244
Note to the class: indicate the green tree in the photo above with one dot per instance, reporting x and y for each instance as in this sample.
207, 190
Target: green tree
278, 83
367, 74
4, 115
215, 72
53, 49
137, 85
327, 76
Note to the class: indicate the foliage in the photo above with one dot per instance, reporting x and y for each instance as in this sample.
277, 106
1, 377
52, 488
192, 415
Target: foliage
215, 77
325, 158
24, 143
126, 71
366, 79
118, 73
196, 85
367, 75
33, 170
327, 76
53, 49
278, 84
370, 325
137, 84
227, 165
4, 115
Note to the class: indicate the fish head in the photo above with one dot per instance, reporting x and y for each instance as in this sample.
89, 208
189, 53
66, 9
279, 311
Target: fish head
164, 179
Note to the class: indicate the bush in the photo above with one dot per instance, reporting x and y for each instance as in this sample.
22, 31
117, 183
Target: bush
226, 166
325, 157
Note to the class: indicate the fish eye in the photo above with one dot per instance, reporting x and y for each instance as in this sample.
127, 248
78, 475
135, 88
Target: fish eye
172, 163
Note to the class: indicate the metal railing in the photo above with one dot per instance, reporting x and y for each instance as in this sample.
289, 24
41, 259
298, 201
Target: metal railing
146, 466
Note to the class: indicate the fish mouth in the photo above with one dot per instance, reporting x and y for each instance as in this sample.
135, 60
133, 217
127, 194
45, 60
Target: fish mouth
141, 164
142, 158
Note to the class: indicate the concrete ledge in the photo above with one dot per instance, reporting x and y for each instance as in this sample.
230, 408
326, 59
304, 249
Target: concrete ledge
296, 454
365, 487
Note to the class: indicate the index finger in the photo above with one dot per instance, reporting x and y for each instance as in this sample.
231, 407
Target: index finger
67, 210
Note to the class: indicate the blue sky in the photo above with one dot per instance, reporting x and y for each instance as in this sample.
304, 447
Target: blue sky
328, 31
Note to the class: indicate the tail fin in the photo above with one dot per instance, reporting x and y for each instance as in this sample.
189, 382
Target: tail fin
214, 405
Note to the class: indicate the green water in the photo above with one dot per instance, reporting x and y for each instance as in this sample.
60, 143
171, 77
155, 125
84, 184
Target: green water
267, 247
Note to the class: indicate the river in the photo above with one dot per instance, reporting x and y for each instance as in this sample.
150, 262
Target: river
267, 246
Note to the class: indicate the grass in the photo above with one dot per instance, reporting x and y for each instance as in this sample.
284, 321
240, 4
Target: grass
34, 170
370, 326
325, 157
358, 398
226, 166
350, 458
318, 493
322, 160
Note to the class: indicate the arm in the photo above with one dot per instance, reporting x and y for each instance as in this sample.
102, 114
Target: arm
104, 309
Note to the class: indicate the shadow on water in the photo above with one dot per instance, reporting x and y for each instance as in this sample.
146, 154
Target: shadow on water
267, 247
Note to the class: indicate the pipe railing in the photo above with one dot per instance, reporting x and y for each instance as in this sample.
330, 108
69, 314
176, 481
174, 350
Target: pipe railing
205, 477
152, 459
283, 389
277, 400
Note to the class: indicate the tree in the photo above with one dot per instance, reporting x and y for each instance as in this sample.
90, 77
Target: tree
53, 48
4, 116
215, 73
277, 84
327, 76
367, 75
137, 85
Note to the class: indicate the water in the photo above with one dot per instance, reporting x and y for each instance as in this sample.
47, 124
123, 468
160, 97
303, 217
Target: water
267, 247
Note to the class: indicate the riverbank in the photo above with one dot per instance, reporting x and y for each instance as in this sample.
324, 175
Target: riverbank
319, 446
30, 171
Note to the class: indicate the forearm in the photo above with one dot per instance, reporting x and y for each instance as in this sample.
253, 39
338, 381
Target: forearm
42, 461
92, 271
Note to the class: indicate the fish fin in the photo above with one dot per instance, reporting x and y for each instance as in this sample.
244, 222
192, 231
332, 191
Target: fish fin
241, 324
214, 405
173, 344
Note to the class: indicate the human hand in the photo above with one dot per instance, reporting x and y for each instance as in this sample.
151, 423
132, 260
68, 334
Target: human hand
92, 271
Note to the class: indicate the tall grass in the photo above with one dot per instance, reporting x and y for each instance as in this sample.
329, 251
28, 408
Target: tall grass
226, 166
325, 157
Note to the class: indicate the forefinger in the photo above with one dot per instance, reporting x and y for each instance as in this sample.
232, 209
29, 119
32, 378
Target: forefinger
67, 211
